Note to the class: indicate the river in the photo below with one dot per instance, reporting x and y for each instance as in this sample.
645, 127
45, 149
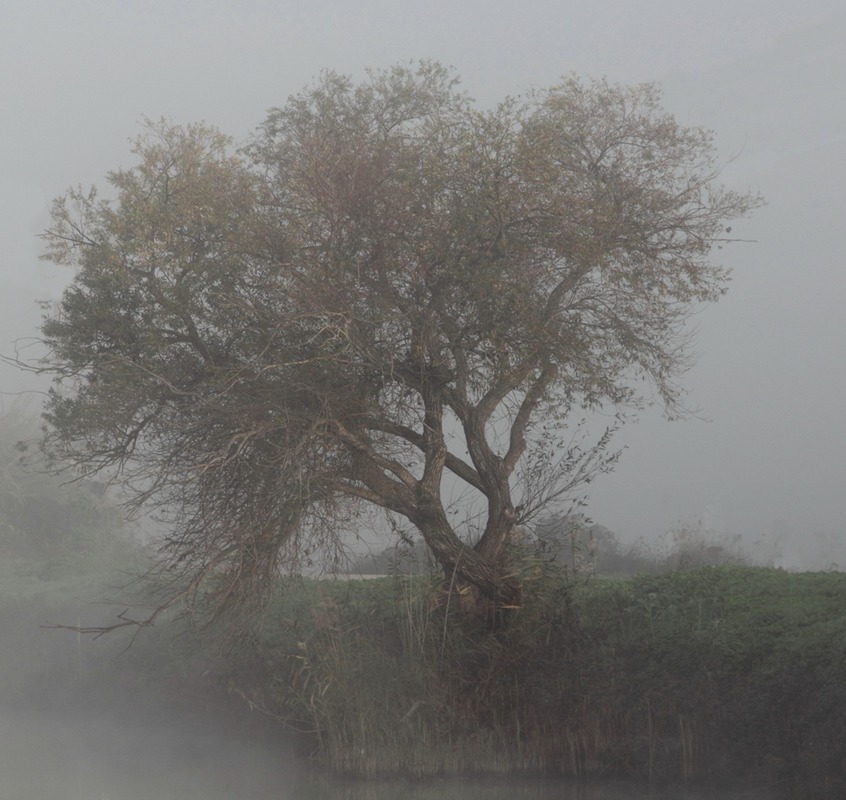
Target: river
153, 755
91, 720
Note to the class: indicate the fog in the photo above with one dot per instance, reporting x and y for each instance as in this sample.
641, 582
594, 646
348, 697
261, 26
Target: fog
93, 721
761, 456
766, 459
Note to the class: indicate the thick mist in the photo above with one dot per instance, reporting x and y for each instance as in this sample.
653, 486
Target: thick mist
84, 717
758, 464
761, 456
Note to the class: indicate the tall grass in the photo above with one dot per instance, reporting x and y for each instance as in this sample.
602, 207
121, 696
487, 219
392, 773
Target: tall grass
391, 681
713, 674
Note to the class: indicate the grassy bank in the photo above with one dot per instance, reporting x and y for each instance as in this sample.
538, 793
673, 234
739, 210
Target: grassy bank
715, 674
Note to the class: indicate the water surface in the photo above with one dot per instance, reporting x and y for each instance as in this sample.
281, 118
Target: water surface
92, 755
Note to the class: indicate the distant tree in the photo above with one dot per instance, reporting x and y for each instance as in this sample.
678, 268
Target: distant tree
576, 542
49, 527
387, 286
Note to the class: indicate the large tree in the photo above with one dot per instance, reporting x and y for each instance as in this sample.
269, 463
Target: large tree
386, 291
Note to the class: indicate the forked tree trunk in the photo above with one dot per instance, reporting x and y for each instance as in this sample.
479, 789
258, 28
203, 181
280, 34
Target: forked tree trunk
481, 584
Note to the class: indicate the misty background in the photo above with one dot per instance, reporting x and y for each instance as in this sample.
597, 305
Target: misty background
763, 456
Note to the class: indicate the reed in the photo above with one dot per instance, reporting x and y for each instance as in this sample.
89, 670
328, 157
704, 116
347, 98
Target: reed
710, 674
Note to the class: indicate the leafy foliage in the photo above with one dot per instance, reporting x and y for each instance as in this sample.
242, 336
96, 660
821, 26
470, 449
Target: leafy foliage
386, 290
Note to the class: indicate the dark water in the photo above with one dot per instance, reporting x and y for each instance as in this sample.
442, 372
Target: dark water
514, 790
97, 756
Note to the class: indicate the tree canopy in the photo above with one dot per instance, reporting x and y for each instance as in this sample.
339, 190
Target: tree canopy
386, 287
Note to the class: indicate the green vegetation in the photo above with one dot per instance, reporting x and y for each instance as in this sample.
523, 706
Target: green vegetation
714, 674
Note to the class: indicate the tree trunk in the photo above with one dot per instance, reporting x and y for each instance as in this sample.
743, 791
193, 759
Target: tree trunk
482, 586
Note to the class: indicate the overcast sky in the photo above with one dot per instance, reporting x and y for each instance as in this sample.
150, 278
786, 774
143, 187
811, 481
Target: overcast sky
766, 456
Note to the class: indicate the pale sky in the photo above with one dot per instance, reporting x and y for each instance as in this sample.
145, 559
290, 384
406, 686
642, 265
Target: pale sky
767, 456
